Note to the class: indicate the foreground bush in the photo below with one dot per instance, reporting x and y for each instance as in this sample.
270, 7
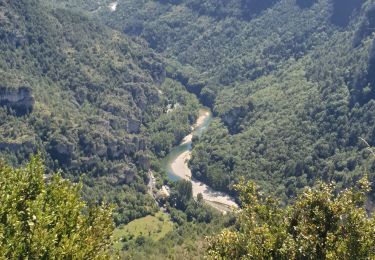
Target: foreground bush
321, 224
47, 219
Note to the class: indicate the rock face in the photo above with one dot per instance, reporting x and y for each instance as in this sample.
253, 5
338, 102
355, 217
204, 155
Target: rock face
119, 150
61, 150
126, 177
134, 126
233, 117
144, 161
18, 99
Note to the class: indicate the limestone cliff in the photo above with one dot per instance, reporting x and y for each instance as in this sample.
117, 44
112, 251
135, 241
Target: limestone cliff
18, 99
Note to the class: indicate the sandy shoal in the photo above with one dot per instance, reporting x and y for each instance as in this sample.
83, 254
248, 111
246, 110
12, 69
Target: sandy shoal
180, 168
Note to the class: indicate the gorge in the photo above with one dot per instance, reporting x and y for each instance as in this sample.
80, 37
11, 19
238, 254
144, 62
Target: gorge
177, 167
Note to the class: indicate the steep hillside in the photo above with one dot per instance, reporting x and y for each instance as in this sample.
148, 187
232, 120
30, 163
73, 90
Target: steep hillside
290, 82
87, 98
104, 89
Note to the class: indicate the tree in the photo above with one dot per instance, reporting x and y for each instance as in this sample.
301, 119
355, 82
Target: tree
321, 224
199, 197
46, 219
181, 194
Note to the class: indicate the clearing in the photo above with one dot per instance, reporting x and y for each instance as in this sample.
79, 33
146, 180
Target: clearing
154, 227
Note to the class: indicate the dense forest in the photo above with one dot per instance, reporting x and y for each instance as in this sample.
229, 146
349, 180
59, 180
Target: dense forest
292, 96
103, 90
89, 99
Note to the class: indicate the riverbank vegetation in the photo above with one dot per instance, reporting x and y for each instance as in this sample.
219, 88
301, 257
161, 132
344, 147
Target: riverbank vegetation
180, 231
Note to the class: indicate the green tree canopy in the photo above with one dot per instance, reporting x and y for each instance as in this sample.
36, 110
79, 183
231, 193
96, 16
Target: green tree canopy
45, 219
321, 224
181, 194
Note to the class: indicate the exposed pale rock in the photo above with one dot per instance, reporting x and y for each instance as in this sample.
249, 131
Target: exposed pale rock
19, 99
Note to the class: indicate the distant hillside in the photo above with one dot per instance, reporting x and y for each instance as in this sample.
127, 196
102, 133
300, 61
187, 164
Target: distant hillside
291, 82
104, 94
88, 98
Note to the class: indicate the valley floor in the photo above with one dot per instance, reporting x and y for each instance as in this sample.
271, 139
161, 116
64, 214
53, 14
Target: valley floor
180, 168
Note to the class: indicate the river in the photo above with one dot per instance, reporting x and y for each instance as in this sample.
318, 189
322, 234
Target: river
177, 166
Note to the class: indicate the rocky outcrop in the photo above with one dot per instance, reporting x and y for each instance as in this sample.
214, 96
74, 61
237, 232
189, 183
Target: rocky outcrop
144, 161
233, 116
134, 126
61, 150
18, 99
156, 69
119, 150
126, 177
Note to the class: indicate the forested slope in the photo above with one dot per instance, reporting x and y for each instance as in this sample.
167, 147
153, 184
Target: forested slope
89, 99
101, 92
290, 81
